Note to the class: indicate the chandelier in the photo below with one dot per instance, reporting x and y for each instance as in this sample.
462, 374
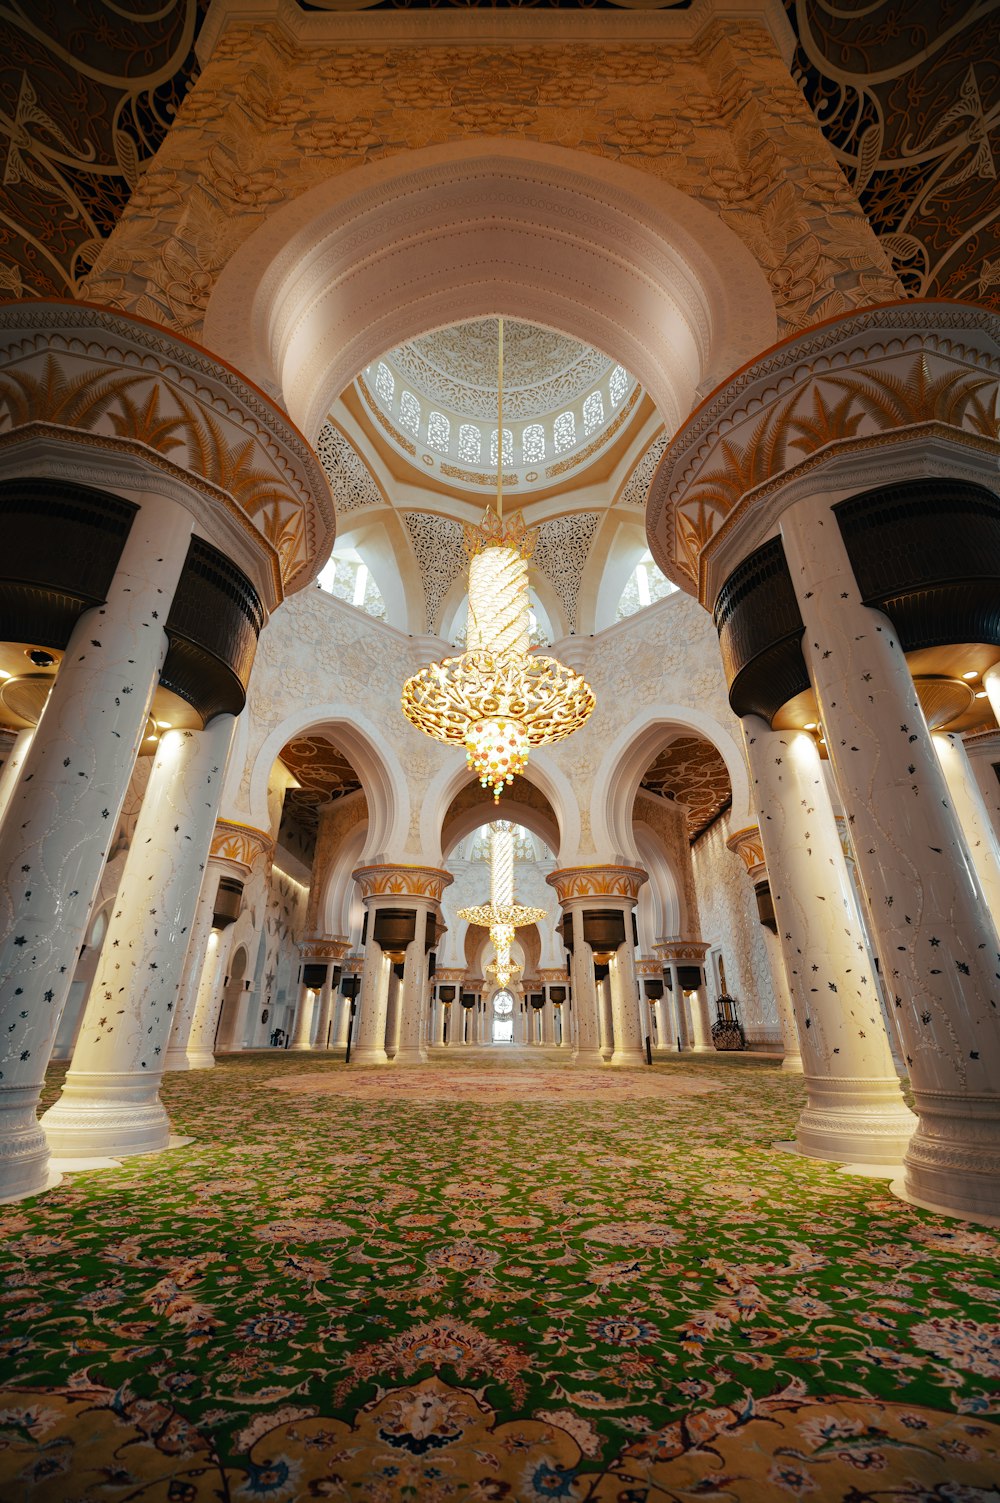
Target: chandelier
501, 915
498, 698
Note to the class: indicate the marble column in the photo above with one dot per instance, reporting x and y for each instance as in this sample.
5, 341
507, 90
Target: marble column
606, 1019
301, 1039
624, 988
62, 813
586, 1003
110, 1102
701, 1018
547, 1026
932, 927
194, 963
369, 1033
208, 999
690, 1008
973, 815
324, 1030
13, 764
983, 751
854, 1106
410, 1048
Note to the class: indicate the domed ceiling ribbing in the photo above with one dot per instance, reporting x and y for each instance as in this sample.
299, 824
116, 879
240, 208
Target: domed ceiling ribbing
436, 399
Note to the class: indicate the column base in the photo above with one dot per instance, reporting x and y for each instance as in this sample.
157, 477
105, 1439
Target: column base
24, 1149
300, 1049
855, 1121
176, 1059
952, 1163
367, 1055
792, 1064
631, 1057
410, 1057
106, 1116
201, 1059
589, 1057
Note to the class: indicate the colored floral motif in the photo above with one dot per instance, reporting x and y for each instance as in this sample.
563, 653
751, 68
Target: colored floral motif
601, 1296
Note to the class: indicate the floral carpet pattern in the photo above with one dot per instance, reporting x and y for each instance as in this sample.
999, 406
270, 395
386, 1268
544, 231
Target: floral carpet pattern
605, 1297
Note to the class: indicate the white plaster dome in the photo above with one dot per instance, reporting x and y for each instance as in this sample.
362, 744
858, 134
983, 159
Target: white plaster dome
436, 397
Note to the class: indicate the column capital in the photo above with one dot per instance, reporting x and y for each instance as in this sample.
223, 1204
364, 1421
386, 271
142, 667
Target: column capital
449, 976
747, 844
649, 965
853, 395
691, 950
552, 976
148, 401
324, 948
240, 845
384, 880
351, 965
575, 882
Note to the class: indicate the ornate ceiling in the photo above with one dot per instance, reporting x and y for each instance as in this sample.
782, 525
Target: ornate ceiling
323, 773
691, 772
908, 96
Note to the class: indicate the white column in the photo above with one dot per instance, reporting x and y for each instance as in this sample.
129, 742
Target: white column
194, 964
792, 1057
323, 1028
983, 751
208, 1001
63, 813
854, 1107
110, 1102
933, 931
547, 1021
410, 1047
301, 1039
624, 988
678, 1007
701, 1026
665, 1041
586, 1003
973, 816
392, 1014
12, 767
369, 1046
342, 1025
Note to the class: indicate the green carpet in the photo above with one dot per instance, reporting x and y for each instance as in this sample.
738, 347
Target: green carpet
483, 1282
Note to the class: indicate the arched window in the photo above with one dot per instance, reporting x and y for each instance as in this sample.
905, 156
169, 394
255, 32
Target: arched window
470, 443
564, 432
385, 386
438, 432
349, 579
533, 443
645, 586
593, 412
618, 385
508, 446
503, 1017
409, 412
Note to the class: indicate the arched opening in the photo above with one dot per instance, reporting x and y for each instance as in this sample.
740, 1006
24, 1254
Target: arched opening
228, 1030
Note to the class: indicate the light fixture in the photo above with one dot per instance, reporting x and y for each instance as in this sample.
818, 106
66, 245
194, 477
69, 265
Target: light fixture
971, 674
981, 694
501, 915
810, 725
498, 699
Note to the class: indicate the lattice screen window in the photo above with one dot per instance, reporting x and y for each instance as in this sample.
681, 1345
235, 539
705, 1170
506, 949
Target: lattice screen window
350, 479
470, 443
385, 383
593, 412
438, 432
533, 443
409, 412
564, 432
618, 385
508, 447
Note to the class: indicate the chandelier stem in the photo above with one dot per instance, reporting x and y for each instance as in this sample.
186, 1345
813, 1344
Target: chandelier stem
500, 419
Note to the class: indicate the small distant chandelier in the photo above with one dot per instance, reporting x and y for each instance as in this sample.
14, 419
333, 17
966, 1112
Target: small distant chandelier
498, 698
501, 915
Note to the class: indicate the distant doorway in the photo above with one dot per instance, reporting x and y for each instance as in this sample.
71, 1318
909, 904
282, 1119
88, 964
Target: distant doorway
503, 1018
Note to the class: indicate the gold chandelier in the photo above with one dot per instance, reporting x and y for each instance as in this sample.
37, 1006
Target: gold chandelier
501, 915
498, 698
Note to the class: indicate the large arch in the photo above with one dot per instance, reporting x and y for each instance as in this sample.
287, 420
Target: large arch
617, 779
604, 252
378, 769
542, 772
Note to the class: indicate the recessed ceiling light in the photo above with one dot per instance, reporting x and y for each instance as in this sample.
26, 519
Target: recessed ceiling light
981, 694
971, 674
810, 725
162, 725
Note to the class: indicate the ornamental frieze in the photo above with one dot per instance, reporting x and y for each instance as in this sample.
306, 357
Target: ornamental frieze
383, 879
692, 950
132, 390
835, 390
240, 843
597, 881
324, 949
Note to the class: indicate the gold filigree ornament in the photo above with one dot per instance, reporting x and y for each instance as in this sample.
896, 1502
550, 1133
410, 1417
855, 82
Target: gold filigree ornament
498, 699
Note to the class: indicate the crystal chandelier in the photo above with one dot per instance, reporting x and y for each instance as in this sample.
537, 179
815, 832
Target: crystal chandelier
501, 915
498, 698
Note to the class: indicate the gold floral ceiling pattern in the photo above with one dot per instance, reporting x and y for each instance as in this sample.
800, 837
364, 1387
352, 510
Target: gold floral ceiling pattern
691, 772
323, 773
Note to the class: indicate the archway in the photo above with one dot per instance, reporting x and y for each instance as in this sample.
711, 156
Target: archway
601, 251
232, 999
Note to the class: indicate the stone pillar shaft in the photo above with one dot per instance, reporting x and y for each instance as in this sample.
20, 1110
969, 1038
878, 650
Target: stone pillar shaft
624, 988
13, 765
410, 1048
63, 812
110, 1103
932, 928
301, 1038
